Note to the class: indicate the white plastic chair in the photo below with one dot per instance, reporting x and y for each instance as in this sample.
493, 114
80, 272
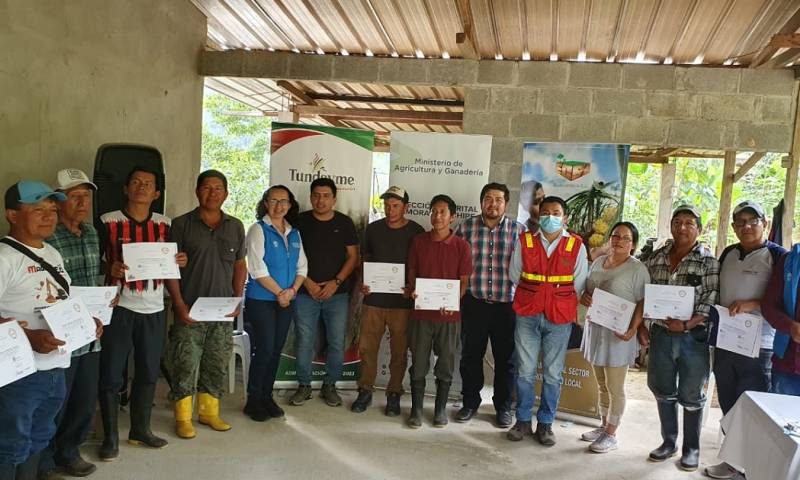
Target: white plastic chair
241, 347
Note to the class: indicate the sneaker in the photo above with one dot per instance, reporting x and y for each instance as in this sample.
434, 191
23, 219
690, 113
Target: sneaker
272, 408
722, 470
544, 434
519, 430
302, 394
604, 444
392, 404
363, 401
328, 393
593, 435
79, 468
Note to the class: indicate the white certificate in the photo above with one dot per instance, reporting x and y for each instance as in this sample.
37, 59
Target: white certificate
740, 333
610, 311
71, 321
435, 294
668, 301
16, 355
385, 277
150, 261
97, 300
214, 309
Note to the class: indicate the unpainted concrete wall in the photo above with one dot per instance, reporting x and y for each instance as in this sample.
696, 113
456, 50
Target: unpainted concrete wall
77, 74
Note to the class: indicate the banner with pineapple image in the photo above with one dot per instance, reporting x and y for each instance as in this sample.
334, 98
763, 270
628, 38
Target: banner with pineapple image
591, 179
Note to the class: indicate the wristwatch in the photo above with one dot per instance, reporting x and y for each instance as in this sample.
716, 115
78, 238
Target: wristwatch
337, 280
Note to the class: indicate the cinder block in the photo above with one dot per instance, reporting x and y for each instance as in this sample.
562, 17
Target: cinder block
497, 72
513, 99
403, 70
730, 133
672, 105
706, 79
476, 99
543, 74
514, 174
618, 102
774, 109
598, 75
594, 128
765, 136
360, 69
498, 172
486, 123
311, 67
506, 150
452, 72
643, 131
767, 81
540, 127
695, 133
727, 107
648, 77
558, 100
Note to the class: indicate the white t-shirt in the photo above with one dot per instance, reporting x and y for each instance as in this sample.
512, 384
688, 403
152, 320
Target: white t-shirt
26, 288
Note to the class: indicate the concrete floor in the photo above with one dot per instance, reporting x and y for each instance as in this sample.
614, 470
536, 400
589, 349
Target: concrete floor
317, 441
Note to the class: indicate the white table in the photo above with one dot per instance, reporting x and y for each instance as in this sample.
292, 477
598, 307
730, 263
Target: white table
755, 440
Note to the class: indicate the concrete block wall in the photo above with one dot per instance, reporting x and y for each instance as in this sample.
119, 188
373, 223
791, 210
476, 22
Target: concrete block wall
515, 102
75, 75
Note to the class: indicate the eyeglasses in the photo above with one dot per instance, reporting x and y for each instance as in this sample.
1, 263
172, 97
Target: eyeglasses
753, 222
273, 202
620, 238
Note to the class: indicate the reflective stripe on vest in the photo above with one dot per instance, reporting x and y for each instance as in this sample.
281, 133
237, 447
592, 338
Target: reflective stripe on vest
535, 277
529, 240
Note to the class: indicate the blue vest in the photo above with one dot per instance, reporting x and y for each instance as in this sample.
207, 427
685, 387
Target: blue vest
281, 263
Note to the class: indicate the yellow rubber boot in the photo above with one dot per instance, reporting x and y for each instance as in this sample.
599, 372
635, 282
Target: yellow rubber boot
183, 418
208, 413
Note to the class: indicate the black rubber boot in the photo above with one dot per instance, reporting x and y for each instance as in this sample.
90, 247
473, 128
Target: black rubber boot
109, 412
141, 408
668, 416
417, 396
29, 468
690, 454
440, 407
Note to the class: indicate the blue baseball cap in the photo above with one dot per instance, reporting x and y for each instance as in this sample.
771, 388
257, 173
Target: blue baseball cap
27, 192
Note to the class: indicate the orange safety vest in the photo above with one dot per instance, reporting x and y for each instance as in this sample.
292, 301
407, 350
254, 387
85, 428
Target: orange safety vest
546, 284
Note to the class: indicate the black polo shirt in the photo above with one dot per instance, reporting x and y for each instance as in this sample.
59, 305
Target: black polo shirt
211, 252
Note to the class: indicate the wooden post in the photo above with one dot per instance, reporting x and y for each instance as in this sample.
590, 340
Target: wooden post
665, 199
725, 200
790, 188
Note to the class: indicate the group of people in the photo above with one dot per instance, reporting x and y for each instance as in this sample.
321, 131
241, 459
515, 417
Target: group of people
520, 287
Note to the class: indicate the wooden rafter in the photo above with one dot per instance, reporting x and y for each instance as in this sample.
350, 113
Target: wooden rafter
663, 152
386, 100
784, 58
790, 27
747, 165
376, 115
466, 39
301, 97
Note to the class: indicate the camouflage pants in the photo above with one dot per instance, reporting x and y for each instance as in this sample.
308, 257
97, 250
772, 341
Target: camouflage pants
202, 352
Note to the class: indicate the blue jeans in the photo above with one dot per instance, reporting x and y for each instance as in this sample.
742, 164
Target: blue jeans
785, 383
678, 367
28, 408
270, 325
334, 315
532, 335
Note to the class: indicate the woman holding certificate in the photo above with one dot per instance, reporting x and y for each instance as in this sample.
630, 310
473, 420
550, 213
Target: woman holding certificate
614, 294
276, 264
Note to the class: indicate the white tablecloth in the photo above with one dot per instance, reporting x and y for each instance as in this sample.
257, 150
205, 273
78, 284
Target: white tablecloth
755, 440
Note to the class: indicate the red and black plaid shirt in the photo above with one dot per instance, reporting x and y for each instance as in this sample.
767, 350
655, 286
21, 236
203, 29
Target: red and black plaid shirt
121, 229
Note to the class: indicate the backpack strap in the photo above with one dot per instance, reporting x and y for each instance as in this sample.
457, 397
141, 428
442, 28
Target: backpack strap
36, 258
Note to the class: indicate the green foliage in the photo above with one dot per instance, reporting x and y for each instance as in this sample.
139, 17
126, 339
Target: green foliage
641, 198
238, 146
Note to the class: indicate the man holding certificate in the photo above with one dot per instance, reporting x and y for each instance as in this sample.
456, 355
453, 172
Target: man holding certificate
385, 251
614, 295
199, 351
678, 363
488, 314
138, 320
32, 277
79, 245
549, 267
442, 260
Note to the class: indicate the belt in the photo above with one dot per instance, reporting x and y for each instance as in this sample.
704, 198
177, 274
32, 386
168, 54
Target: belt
663, 324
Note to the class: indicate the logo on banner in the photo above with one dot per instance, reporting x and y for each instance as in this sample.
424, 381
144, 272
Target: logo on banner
316, 169
571, 169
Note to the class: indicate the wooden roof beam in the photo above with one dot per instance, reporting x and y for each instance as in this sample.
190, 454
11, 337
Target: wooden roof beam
747, 165
376, 115
386, 100
300, 97
465, 39
784, 58
664, 152
790, 27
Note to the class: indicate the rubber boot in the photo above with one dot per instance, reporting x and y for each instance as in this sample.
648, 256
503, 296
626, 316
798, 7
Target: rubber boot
141, 409
668, 416
417, 396
690, 453
208, 412
109, 412
183, 418
28, 469
440, 407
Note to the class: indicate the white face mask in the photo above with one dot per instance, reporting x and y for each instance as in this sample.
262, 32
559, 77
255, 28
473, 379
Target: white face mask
550, 223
